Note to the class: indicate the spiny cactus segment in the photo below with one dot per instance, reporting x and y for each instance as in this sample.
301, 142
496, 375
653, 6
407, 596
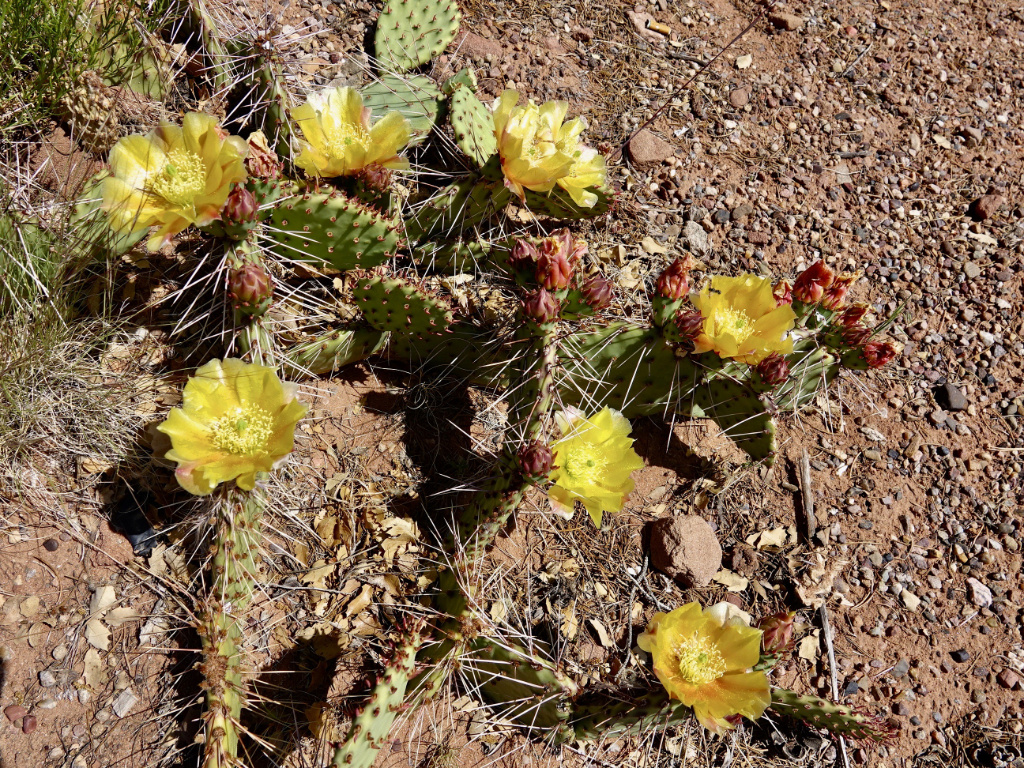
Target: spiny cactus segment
401, 306
839, 720
415, 97
474, 129
412, 32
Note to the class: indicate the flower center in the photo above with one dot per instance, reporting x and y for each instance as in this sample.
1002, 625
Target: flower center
700, 661
735, 322
585, 462
183, 179
243, 431
343, 136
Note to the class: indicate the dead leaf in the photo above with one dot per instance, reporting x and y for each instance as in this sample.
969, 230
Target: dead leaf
731, 581
360, 602
97, 634
95, 674
317, 576
118, 616
776, 537
570, 623
809, 646
102, 598
602, 633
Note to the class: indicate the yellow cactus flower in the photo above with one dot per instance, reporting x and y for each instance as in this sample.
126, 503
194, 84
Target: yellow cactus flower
172, 177
339, 139
704, 658
593, 462
587, 171
742, 319
236, 419
528, 143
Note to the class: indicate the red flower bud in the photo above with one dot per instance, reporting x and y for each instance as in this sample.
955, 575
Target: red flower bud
553, 268
674, 282
835, 294
524, 254
597, 292
541, 306
251, 288
879, 353
777, 631
690, 323
240, 206
261, 161
773, 370
810, 285
375, 176
855, 335
783, 293
536, 460
852, 315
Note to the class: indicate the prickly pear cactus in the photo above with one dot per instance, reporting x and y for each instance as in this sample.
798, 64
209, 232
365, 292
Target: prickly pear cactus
837, 719
473, 126
401, 306
412, 32
414, 97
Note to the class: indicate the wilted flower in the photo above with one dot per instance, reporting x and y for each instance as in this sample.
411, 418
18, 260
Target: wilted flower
524, 254
541, 306
835, 294
855, 335
262, 162
251, 288
853, 314
811, 283
879, 353
172, 177
594, 460
527, 143
773, 370
704, 658
778, 632
742, 319
783, 293
236, 419
536, 459
339, 139
556, 257
674, 282
597, 292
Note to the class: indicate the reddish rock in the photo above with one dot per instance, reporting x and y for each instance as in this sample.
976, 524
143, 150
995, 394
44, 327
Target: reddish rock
739, 97
758, 238
787, 21
986, 206
15, 712
686, 549
29, 724
645, 147
1008, 679
477, 47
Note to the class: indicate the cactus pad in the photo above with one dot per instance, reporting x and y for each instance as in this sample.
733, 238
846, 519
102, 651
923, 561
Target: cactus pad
415, 97
332, 229
464, 78
401, 306
412, 32
458, 207
839, 720
473, 126
327, 353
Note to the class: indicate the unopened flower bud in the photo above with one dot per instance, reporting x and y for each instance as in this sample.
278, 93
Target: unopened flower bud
690, 323
879, 353
777, 629
375, 176
674, 282
541, 306
597, 292
773, 370
810, 285
251, 288
783, 293
835, 294
240, 206
536, 459
524, 254
853, 314
261, 161
553, 268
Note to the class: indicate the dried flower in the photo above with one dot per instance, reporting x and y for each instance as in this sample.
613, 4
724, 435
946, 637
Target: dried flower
262, 162
594, 460
811, 283
236, 419
783, 293
172, 177
704, 658
835, 294
879, 353
339, 138
853, 315
554, 270
855, 335
742, 319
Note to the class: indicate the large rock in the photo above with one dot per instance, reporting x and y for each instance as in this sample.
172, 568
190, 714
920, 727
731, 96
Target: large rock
686, 549
645, 147
787, 21
986, 206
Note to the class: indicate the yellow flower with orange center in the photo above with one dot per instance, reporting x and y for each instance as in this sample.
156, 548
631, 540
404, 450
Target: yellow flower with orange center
742, 319
339, 137
236, 419
593, 462
704, 659
172, 177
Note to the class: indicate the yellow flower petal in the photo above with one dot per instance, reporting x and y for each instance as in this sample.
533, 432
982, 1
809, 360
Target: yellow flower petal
741, 320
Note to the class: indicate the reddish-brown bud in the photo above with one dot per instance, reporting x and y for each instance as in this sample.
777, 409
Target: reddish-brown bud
553, 268
835, 294
261, 161
251, 288
773, 370
778, 629
879, 353
674, 282
536, 459
855, 335
541, 306
375, 176
690, 323
783, 293
240, 206
853, 314
597, 292
524, 255
810, 285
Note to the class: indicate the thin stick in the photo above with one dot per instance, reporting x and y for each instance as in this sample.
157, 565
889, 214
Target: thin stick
826, 629
807, 495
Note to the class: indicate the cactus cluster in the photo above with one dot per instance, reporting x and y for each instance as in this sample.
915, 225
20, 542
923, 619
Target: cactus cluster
553, 343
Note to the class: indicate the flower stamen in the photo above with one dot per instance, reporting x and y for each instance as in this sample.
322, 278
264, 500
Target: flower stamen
182, 180
244, 431
700, 661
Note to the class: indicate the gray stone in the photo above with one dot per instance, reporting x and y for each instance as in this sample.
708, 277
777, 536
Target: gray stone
124, 702
954, 399
686, 549
696, 239
980, 595
971, 270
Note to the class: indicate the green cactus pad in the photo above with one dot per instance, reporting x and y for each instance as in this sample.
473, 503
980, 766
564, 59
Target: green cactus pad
473, 126
839, 720
415, 97
412, 32
401, 306
610, 715
464, 78
332, 229
332, 350
557, 204
458, 208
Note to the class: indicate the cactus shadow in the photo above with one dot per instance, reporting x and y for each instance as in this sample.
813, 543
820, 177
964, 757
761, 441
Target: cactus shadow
660, 445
